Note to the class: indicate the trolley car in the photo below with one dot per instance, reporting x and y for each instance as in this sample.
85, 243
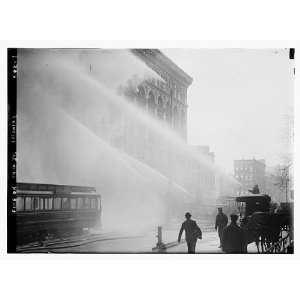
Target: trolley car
48, 209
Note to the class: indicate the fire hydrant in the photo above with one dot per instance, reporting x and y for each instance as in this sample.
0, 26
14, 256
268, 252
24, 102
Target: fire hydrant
160, 245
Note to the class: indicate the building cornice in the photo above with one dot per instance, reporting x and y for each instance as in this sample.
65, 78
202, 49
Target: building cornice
161, 61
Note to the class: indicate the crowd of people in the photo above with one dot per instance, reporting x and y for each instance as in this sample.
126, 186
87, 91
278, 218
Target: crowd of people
232, 237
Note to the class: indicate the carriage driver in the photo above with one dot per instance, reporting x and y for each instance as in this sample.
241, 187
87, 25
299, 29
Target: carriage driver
221, 222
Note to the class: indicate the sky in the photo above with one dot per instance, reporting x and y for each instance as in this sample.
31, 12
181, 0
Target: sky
238, 101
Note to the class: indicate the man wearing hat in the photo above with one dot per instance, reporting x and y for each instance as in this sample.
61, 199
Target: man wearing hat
233, 237
192, 233
221, 222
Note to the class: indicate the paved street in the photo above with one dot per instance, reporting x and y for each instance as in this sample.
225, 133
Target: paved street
128, 243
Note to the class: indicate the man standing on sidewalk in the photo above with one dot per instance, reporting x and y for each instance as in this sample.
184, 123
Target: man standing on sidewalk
221, 222
192, 233
234, 240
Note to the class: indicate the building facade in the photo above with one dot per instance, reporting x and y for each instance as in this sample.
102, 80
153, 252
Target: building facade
250, 172
165, 97
158, 99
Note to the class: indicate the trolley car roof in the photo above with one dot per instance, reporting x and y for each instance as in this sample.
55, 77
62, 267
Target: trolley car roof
58, 188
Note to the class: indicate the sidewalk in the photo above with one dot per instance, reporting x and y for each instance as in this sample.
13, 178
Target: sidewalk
208, 244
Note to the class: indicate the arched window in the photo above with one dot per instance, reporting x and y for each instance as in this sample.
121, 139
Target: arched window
151, 103
142, 101
169, 112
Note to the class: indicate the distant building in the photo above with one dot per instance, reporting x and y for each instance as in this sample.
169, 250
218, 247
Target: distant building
250, 172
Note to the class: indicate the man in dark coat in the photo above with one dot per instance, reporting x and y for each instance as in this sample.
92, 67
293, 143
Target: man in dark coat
221, 222
192, 233
234, 237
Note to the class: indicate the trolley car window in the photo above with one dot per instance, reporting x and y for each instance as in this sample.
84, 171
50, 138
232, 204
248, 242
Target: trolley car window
35, 203
20, 205
93, 203
57, 203
65, 203
28, 203
73, 203
87, 203
48, 203
41, 203
80, 203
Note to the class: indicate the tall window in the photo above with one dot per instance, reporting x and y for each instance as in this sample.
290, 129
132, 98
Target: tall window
160, 109
28, 203
80, 204
48, 203
94, 203
169, 112
65, 203
41, 203
57, 203
36, 203
73, 203
20, 204
142, 101
87, 202
151, 103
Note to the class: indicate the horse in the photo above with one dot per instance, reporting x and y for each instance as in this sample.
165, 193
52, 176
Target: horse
264, 228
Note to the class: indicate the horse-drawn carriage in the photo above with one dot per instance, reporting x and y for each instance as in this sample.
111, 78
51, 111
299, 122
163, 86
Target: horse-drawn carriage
270, 229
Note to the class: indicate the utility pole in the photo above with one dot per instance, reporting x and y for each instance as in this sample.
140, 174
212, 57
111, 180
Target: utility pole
283, 183
286, 182
285, 178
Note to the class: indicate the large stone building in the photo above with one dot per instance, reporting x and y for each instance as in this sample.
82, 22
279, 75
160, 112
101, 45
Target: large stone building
157, 135
250, 172
165, 96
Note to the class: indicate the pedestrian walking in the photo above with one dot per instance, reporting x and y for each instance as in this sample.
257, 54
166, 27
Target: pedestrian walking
221, 222
234, 240
192, 233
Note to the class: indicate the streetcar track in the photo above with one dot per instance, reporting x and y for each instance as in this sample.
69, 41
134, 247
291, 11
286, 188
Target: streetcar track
90, 241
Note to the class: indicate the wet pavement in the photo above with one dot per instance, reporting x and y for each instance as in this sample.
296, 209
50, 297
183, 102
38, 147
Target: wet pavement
132, 243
